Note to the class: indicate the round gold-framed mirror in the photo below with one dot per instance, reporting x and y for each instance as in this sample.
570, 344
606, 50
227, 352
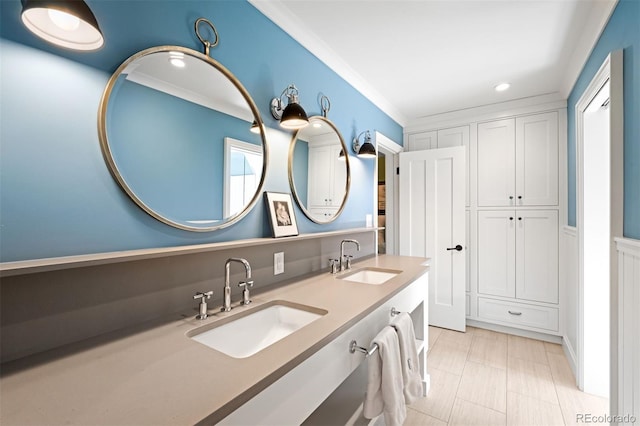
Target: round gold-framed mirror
183, 138
319, 172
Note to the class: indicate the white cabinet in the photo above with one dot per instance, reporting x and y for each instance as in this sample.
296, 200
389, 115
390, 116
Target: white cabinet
518, 161
443, 138
518, 254
423, 140
327, 178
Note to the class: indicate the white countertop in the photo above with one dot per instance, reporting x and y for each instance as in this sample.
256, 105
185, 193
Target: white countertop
153, 374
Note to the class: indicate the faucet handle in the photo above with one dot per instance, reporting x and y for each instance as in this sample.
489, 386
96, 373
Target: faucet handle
335, 265
202, 314
203, 296
245, 291
245, 284
347, 258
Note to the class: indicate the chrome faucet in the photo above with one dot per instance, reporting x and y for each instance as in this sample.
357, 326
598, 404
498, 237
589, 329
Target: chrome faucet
345, 261
226, 307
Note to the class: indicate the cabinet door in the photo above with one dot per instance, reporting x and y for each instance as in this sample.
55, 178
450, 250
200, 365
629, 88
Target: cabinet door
496, 253
457, 136
537, 160
422, 141
338, 176
318, 193
537, 255
496, 163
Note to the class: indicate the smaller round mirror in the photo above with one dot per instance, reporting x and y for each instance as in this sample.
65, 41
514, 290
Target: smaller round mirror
319, 173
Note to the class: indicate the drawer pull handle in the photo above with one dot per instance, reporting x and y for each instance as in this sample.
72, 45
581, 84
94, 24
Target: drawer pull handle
515, 313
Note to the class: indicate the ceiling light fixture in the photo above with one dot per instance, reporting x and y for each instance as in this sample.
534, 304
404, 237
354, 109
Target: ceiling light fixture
502, 87
66, 23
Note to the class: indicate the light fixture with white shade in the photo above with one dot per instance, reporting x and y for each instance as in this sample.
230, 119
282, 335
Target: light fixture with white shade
66, 23
502, 87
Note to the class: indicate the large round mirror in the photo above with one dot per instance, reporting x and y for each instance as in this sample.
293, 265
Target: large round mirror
319, 170
175, 131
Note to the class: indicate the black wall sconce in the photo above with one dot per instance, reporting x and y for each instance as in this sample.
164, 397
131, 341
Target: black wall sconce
366, 149
293, 115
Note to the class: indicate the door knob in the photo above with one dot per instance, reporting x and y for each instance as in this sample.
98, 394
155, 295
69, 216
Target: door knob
457, 248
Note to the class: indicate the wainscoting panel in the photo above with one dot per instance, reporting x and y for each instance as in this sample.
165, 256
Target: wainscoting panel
628, 330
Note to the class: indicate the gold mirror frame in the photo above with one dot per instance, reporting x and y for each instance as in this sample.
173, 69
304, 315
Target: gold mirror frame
292, 185
113, 168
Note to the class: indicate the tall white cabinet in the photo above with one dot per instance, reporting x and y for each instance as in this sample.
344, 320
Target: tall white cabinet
516, 199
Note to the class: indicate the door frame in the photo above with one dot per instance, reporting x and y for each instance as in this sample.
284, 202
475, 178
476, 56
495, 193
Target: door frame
611, 70
391, 150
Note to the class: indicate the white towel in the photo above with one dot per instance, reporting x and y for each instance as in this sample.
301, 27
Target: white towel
384, 389
411, 377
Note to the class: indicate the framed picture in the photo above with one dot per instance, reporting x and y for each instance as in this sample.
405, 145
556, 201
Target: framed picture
281, 214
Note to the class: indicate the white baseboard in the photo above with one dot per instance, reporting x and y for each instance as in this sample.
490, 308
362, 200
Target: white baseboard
570, 353
515, 331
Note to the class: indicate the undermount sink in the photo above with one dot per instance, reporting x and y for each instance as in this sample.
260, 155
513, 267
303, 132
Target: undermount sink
375, 276
248, 333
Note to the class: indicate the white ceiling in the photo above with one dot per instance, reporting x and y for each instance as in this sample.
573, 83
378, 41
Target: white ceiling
423, 57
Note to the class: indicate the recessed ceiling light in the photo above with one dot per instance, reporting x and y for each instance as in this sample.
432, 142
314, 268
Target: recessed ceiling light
502, 87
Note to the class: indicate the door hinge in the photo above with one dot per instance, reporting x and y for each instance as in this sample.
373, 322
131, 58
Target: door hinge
397, 170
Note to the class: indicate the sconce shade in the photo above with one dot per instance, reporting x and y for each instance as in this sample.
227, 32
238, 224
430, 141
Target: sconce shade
255, 127
341, 155
66, 23
367, 150
294, 117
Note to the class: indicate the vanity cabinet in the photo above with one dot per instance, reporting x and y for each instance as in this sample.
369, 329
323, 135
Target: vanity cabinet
327, 177
518, 254
329, 387
518, 161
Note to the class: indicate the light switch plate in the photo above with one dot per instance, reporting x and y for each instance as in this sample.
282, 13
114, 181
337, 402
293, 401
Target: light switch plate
278, 263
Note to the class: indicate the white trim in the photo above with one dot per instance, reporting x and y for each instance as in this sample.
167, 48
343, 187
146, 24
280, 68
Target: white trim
628, 246
600, 13
572, 231
514, 331
282, 17
531, 105
570, 354
391, 149
239, 145
610, 70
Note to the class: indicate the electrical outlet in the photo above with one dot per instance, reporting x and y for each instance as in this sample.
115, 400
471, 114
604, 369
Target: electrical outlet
278, 263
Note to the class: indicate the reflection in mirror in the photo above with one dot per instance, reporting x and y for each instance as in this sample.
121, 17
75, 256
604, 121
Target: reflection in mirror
318, 173
175, 131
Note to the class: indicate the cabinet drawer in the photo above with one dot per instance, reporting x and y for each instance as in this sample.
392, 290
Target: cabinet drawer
518, 314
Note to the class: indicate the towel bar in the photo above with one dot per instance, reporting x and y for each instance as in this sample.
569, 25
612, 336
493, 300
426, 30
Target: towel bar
353, 346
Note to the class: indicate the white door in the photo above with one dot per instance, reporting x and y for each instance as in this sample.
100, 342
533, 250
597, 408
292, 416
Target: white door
432, 224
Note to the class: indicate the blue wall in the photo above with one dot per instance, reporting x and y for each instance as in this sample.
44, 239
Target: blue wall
57, 197
622, 32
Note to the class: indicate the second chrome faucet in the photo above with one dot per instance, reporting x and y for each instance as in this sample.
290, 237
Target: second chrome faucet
345, 260
246, 284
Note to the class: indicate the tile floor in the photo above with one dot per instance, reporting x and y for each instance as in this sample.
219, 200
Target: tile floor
482, 377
